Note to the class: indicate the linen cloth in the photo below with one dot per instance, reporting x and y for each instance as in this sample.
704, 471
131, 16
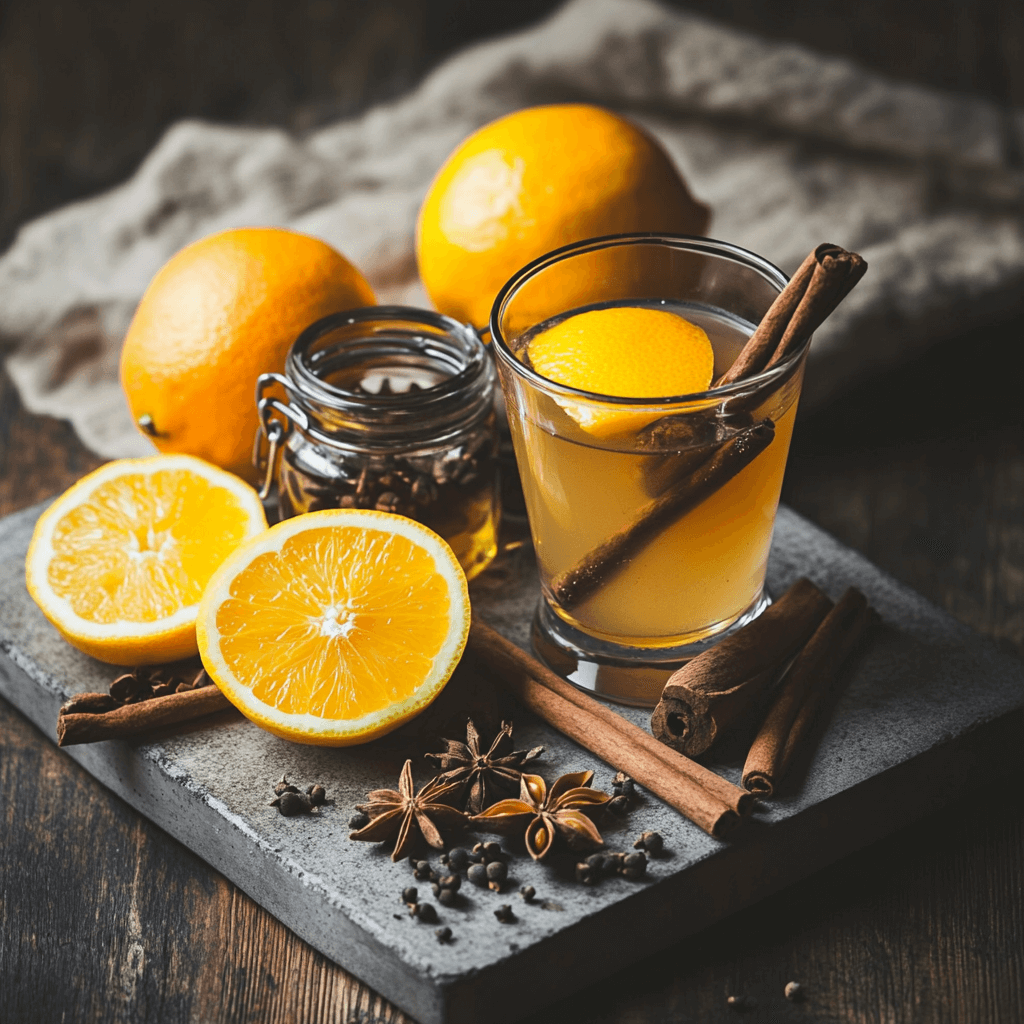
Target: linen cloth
788, 147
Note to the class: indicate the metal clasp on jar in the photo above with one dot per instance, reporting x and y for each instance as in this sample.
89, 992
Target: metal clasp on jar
273, 429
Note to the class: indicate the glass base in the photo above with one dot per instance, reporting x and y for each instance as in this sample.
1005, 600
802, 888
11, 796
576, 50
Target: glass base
625, 675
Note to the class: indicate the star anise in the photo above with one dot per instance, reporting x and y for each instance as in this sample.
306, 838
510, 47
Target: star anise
540, 814
484, 776
402, 815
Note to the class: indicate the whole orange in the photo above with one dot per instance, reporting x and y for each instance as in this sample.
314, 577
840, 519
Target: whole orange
536, 180
218, 314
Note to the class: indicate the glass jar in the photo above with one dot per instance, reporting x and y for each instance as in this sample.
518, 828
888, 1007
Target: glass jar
388, 408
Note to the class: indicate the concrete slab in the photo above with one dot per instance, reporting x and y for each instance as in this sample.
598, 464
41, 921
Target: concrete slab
928, 709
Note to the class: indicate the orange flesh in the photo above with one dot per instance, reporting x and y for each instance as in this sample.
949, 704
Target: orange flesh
339, 623
144, 546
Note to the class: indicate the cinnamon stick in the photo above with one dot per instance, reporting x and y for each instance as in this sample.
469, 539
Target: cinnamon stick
711, 692
805, 686
833, 278
707, 799
822, 281
77, 725
604, 562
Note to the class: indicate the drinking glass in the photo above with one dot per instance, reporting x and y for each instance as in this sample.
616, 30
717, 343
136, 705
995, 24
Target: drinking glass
651, 517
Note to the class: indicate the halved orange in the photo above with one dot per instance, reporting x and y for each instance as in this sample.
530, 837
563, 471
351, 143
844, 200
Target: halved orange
335, 627
119, 562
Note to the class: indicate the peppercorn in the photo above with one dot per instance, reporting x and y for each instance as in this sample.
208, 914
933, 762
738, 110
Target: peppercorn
456, 858
447, 897
504, 914
741, 1002
124, 686
596, 862
453, 882
477, 874
410, 894
528, 893
586, 874
317, 795
634, 865
284, 786
497, 871
290, 803
487, 852
425, 912
422, 871
358, 820
651, 842
623, 785
611, 863
444, 934
618, 805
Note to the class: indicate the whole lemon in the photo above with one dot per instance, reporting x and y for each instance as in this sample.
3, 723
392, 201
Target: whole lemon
536, 180
218, 314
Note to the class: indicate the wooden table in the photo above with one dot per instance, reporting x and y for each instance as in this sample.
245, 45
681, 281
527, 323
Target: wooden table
105, 917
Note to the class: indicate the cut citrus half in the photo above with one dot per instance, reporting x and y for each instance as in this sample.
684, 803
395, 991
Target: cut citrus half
627, 352
335, 627
119, 562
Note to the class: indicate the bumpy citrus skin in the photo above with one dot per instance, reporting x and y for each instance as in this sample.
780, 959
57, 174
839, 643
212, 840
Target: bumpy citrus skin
218, 314
119, 562
624, 351
335, 627
535, 180
628, 351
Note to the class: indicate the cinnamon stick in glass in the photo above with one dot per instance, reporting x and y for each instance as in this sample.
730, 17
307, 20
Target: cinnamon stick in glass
703, 698
708, 800
822, 281
77, 725
601, 564
806, 684
705, 462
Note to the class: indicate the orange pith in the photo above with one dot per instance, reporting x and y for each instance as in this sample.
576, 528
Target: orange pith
336, 626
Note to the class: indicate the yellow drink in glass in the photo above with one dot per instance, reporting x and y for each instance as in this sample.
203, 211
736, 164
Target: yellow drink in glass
642, 562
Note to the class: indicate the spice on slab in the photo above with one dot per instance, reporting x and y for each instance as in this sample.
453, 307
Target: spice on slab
540, 814
486, 774
405, 815
650, 842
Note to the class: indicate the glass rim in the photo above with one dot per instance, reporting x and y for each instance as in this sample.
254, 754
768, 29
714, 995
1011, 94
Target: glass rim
473, 357
689, 243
